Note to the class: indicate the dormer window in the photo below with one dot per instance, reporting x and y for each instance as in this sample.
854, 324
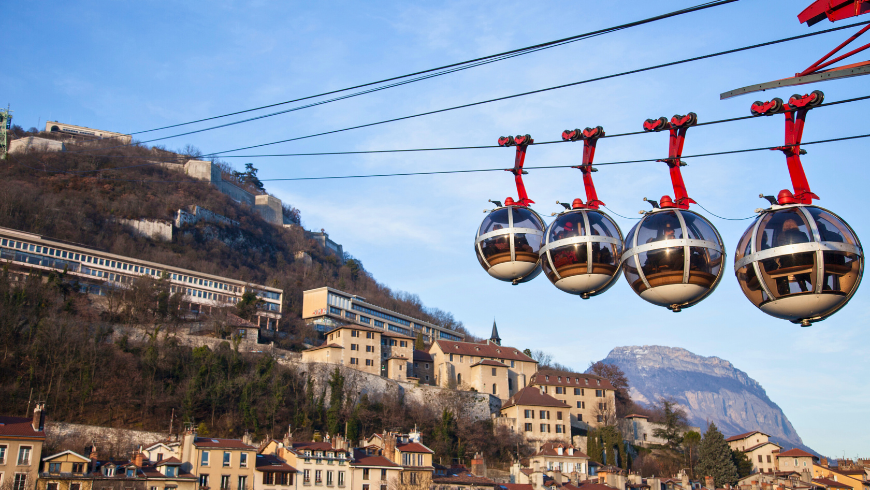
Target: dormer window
171, 471
598, 381
560, 379
330, 455
131, 472
108, 471
547, 377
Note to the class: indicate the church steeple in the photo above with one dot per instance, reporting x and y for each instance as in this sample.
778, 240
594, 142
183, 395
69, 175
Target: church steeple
494, 338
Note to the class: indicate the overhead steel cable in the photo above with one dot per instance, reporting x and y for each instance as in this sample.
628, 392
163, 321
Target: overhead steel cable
467, 171
405, 150
465, 64
556, 87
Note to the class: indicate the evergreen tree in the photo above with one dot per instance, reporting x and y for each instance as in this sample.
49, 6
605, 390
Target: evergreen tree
714, 458
593, 446
674, 424
420, 343
336, 389
742, 463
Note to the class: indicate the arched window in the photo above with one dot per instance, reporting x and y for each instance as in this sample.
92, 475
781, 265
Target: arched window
459, 379
494, 389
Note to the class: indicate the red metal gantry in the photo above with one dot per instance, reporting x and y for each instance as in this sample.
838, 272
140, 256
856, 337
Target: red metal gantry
590, 139
833, 10
678, 126
522, 142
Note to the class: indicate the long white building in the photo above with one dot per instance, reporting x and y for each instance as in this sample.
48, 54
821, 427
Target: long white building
97, 272
326, 308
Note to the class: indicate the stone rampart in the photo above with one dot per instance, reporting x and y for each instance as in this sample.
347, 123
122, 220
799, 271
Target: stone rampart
151, 228
466, 404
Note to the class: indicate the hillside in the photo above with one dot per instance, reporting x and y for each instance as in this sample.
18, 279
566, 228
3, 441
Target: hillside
710, 388
78, 195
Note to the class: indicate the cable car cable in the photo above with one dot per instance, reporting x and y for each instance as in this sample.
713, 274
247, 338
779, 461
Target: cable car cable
497, 99
614, 212
614, 135
532, 92
722, 217
442, 172
474, 62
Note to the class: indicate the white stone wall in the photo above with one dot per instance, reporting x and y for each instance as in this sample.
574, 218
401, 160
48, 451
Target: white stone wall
34, 143
152, 228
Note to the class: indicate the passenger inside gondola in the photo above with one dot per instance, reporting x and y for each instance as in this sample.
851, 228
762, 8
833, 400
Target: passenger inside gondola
794, 267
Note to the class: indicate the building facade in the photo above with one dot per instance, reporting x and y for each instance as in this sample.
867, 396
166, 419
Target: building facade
81, 132
99, 273
638, 430
21, 440
591, 398
225, 464
326, 308
537, 416
383, 353
460, 364
758, 449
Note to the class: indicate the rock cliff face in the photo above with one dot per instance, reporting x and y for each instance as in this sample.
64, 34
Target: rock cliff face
710, 388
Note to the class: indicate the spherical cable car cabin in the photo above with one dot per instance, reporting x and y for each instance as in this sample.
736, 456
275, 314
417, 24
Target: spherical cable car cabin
508, 242
673, 256
797, 261
582, 246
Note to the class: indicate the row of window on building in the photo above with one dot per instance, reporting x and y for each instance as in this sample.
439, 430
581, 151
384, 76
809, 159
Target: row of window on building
318, 477
224, 481
472, 360
560, 428
562, 390
355, 361
337, 303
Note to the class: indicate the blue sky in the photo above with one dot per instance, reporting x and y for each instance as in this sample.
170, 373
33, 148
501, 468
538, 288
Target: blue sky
129, 66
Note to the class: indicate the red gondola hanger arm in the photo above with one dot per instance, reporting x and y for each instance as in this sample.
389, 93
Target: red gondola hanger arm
678, 126
795, 117
522, 143
590, 138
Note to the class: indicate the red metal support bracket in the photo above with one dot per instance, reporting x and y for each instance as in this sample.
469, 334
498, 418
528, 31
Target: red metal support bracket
590, 138
818, 65
795, 117
678, 126
522, 142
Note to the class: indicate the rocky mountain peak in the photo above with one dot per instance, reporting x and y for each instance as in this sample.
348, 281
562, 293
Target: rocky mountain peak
710, 389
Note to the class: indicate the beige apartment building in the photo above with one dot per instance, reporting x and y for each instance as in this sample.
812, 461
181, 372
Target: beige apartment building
537, 416
366, 349
638, 430
758, 449
224, 464
796, 460
408, 452
591, 398
459, 364
21, 440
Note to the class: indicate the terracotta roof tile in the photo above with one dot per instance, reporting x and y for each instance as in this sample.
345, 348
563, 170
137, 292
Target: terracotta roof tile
551, 449
516, 486
19, 427
489, 362
414, 447
796, 453
464, 479
221, 443
532, 396
360, 458
830, 483
482, 350
552, 377
324, 346
269, 462
421, 355
753, 448
744, 436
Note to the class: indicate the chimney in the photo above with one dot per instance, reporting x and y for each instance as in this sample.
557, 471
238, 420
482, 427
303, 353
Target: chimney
538, 480
708, 481
39, 417
93, 457
288, 437
478, 465
138, 458
390, 446
684, 479
247, 439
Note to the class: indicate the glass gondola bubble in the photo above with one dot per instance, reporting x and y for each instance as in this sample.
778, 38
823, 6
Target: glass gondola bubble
508, 241
583, 246
673, 256
797, 261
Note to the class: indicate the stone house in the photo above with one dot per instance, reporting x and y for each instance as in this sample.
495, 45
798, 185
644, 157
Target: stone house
374, 351
758, 449
537, 416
